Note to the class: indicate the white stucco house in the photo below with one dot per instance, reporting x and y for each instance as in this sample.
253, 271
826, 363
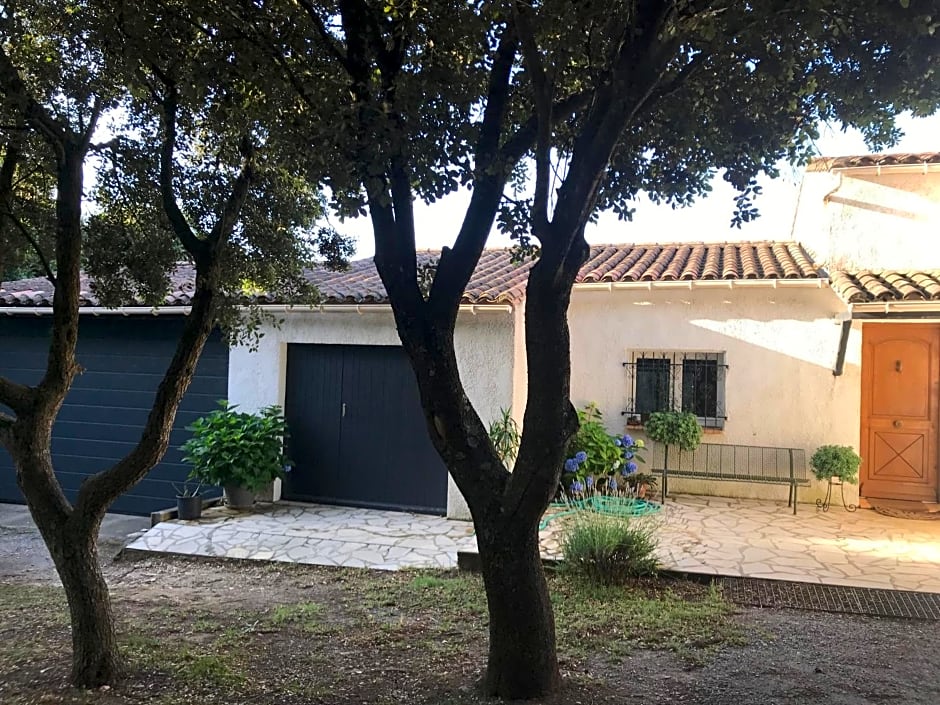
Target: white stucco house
797, 343
829, 336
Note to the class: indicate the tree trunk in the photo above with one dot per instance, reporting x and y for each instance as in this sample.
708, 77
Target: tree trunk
72, 544
522, 661
95, 657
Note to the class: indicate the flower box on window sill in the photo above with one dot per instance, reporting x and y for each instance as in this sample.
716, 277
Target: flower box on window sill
636, 424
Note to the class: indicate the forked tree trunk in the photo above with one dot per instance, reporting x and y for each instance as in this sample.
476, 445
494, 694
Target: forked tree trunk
522, 661
72, 544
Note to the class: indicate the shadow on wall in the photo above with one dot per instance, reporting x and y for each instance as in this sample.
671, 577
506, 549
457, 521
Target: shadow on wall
780, 348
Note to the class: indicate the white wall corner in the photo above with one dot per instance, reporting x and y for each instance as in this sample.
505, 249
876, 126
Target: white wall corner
520, 365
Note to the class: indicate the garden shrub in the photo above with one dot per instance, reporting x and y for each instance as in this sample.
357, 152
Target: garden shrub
608, 549
598, 461
505, 435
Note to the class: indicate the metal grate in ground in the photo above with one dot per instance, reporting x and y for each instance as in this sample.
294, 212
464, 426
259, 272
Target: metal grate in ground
755, 592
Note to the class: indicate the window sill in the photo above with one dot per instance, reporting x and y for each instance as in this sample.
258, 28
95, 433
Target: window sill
706, 430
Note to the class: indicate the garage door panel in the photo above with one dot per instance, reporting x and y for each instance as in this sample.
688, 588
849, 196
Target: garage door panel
84, 431
101, 421
119, 415
313, 410
114, 384
385, 457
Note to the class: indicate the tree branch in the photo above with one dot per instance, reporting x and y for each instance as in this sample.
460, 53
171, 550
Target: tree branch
525, 136
194, 246
99, 491
694, 65
61, 367
643, 59
328, 40
491, 170
15, 395
89, 130
36, 115
24, 231
11, 161
542, 91
222, 230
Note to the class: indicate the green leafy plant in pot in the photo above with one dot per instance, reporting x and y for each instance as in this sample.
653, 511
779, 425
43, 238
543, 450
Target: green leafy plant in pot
241, 452
829, 462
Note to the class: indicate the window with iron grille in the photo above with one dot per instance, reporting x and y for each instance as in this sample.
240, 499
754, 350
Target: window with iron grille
677, 381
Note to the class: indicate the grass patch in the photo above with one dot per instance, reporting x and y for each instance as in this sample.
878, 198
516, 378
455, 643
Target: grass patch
32, 599
616, 619
304, 615
210, 668
421, 582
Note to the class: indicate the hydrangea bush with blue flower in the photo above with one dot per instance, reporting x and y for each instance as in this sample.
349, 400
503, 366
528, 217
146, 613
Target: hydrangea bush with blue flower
599, 462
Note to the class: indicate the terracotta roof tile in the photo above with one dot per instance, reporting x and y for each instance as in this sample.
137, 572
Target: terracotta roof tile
889, 285
870, 160
496, 280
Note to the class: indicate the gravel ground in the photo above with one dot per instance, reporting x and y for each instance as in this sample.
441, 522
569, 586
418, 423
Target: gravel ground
233, 632
23, 555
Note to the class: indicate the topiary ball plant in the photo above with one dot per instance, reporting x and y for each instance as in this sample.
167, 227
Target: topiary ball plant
836, 461
674, 428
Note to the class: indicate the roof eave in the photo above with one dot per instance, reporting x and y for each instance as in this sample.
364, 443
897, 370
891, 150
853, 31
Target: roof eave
472, 308
688, 284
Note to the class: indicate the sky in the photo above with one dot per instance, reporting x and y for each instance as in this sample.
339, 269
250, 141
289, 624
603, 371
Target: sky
708, 220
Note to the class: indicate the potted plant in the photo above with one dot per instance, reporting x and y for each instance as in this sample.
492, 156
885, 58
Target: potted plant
831, 461
674, 428
188, 501
238, 451
641, 483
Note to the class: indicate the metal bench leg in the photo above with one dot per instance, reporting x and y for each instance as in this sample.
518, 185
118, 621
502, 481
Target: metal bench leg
792, 482
665, 473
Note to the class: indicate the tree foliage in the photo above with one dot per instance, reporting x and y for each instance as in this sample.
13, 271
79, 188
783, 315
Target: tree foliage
573, 106
189, 173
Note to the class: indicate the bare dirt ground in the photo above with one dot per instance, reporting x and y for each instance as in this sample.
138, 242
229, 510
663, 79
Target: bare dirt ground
240, 632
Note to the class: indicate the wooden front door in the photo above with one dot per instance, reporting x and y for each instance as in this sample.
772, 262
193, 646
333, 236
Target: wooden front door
900, 409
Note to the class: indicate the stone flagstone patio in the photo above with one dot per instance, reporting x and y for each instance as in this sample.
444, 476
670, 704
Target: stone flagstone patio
315, 534
705, 535
747, 538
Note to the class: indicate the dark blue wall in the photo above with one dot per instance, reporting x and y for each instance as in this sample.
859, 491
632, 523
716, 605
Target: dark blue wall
124, 359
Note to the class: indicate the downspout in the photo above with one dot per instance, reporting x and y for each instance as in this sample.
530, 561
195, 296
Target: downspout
843, 346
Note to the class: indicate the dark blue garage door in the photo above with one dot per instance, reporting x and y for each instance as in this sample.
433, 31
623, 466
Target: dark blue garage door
358, 434
124, 359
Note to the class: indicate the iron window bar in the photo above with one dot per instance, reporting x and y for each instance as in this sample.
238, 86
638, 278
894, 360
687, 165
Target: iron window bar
677, 381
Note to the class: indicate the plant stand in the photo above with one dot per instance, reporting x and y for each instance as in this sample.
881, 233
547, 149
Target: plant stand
824, 503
